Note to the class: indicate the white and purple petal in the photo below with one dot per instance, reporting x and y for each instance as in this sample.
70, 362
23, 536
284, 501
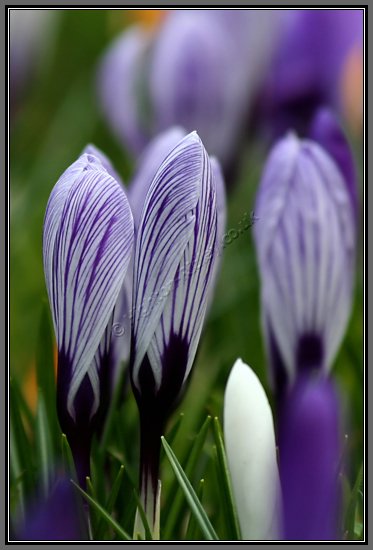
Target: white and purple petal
184, 311
305, 244
147, 167
91, 149
166, 225
88, 237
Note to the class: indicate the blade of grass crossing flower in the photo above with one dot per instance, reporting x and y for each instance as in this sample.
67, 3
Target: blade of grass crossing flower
193, 531
350, 517
103, 513
93, 517
111, 501
192, 499
44, 447
224, 484
174, 515
67, 458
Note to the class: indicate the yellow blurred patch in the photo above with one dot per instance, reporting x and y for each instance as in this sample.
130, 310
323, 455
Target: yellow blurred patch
352, 90
149, 19
30, 388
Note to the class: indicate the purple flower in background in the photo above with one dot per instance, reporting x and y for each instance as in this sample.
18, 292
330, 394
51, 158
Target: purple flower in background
87, 243
307, 69
30, 39
200, 71
174, 257
305, 241
326, 131
56, 518
310, 454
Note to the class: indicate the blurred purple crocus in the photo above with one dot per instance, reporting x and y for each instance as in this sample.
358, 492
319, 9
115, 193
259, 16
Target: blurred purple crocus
307, 69
56, 518
174, 257
305, 240
310, 454
87, 243
201, 71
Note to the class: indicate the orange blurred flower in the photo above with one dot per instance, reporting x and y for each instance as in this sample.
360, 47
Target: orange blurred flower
30, 387
352, 89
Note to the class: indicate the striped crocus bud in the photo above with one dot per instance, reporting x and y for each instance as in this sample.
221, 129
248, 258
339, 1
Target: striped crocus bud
251, 452
310, 455
305, 241
87, 242
174, 257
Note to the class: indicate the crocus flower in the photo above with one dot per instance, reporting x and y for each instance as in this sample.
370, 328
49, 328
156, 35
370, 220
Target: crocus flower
251, 452
173, 265
307, 69
87, 242
198, 71
55, 518
310, 455
305, 240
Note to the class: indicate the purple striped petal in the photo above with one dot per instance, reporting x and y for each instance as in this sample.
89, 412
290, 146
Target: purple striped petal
310, 453
119, 85
147, 167
184, 311
326, 131
305, 241
105, 161
88, 236
166, 225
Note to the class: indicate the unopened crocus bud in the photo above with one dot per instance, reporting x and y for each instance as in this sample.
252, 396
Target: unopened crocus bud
305, 240
173, 267
310, 454
87, 243
251, 451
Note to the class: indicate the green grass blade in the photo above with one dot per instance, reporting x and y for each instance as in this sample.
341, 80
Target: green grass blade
44, 450
111, 500
45, 367
144, 519
112, 410
224, 483
67, 458
193, 531
174, 515
20, 442
350, 517
17, 473
103, 513
192, 499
